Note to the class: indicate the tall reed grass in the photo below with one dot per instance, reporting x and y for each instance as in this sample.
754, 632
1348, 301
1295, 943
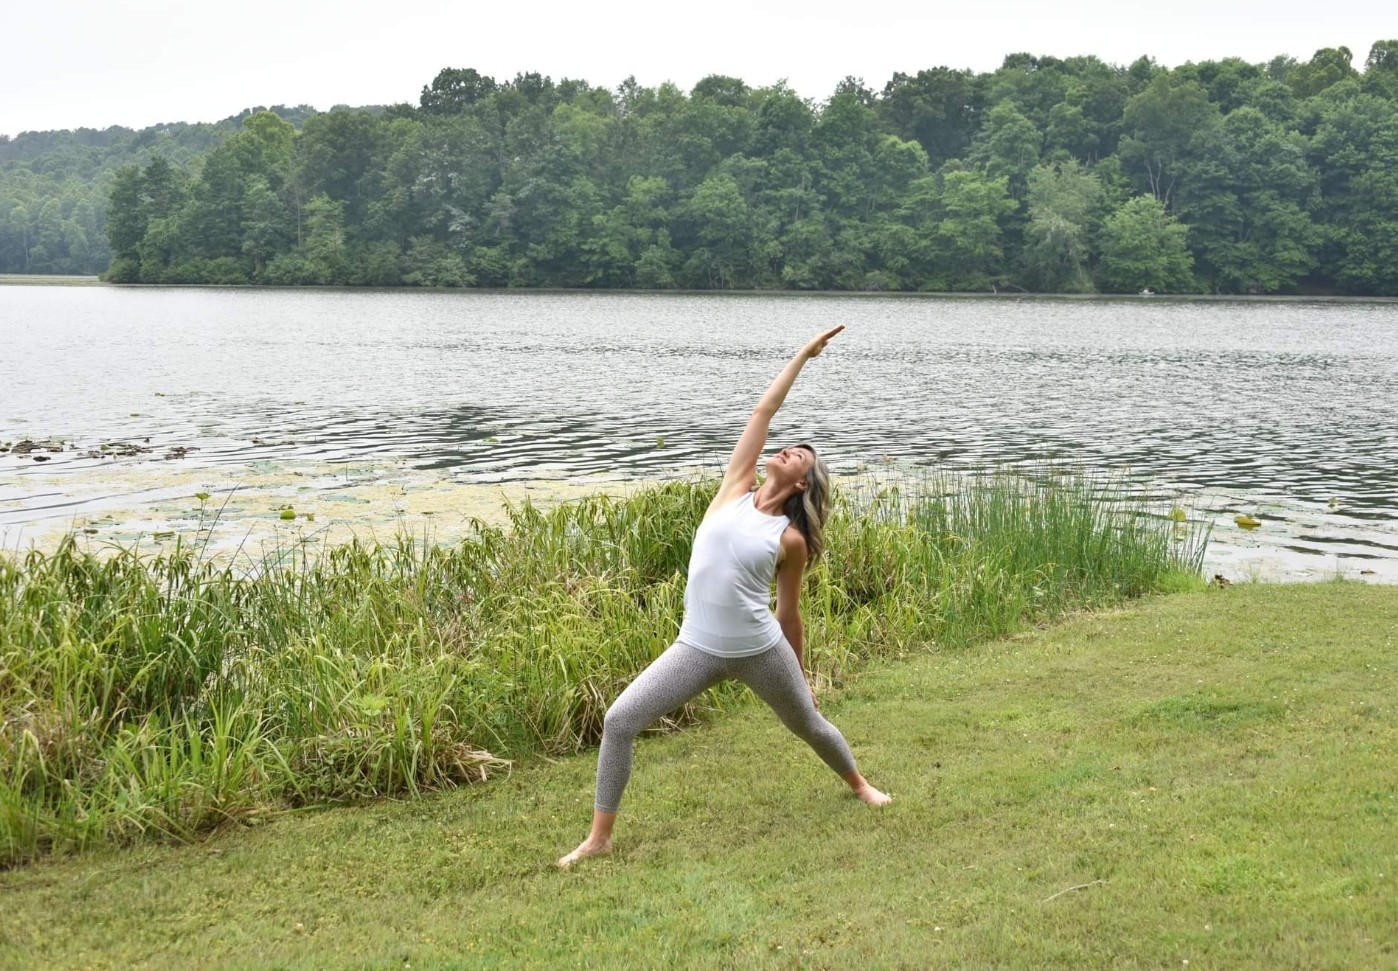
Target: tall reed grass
164, 695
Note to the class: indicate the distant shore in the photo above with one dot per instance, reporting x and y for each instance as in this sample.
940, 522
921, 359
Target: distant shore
34, 279
41, 280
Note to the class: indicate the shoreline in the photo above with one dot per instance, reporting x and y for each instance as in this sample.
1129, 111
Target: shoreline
255, 510
57, 280
22, 279
243, 513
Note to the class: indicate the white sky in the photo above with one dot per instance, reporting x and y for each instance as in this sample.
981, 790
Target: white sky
94, 63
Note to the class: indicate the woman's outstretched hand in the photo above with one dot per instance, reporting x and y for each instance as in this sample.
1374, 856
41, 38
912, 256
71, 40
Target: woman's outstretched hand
817, 345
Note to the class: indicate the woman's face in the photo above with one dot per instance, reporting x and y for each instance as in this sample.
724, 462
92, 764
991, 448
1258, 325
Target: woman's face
791, 464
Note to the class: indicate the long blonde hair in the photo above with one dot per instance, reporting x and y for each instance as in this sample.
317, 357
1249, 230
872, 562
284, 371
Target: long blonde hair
809, 508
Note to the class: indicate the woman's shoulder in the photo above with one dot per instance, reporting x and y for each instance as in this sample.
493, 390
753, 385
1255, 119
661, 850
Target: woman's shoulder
793, 543
729, 495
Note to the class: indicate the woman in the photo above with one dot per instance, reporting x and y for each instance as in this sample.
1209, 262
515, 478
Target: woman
748, 535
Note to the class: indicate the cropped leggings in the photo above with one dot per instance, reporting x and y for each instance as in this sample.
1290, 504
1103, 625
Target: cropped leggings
682, 673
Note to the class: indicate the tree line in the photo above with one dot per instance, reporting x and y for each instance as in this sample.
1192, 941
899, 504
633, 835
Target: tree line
1046, 175
54, 186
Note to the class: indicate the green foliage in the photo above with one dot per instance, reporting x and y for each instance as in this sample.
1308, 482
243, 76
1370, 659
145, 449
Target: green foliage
1064, 205
1279, 169
1144, 248
1162, 123
163, 696
936, 108
1008, 146
719, 220
1247, 190
1328, 66
1381, 69
956, 222
453, 91
1357, 136
55, 189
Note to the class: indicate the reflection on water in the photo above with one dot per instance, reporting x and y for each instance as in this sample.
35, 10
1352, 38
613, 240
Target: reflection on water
1274, 408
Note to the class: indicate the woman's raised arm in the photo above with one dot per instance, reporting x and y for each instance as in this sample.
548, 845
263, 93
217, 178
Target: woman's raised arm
741, 474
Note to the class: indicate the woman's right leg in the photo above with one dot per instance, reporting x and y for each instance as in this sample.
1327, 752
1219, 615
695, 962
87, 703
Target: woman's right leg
775, 677
678, 675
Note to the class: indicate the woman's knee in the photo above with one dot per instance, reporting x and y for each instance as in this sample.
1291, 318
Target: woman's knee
830, 743
620, 721
818, 727
806, 725
817, 732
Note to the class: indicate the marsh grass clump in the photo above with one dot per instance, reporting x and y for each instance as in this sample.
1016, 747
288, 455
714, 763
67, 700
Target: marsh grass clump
163, 695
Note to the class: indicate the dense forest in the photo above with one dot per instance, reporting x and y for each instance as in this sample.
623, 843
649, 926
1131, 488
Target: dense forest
1045, 175
54, 186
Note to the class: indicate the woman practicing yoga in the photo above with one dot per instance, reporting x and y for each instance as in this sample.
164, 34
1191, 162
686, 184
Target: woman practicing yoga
748, 536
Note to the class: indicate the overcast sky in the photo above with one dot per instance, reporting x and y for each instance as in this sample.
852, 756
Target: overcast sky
71, 63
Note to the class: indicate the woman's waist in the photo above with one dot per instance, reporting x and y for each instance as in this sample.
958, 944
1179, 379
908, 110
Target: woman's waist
730, 583
728, 619
733, 634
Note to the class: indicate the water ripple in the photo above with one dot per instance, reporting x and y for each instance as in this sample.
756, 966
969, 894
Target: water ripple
1285, 408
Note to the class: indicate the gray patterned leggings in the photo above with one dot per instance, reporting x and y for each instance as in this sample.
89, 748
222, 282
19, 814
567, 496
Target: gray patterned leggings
682, 673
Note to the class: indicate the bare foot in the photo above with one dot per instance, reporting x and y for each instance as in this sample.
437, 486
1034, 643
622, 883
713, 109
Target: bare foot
587, 848
872, 796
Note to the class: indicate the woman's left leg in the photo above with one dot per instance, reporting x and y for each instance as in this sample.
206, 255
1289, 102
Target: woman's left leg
776, 678
678, 675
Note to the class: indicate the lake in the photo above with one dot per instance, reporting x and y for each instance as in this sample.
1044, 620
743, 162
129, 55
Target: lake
1283, 409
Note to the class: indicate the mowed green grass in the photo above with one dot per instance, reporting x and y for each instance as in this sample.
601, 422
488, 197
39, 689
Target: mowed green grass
1214, 771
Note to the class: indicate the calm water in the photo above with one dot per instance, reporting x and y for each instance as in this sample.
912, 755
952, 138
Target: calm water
1270, 407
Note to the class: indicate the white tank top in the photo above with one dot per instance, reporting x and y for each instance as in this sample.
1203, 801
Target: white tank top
727, 602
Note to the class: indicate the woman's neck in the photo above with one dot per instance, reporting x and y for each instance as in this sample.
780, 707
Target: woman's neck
769, 501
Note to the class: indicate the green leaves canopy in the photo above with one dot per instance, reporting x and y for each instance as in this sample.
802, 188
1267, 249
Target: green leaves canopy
1046, 174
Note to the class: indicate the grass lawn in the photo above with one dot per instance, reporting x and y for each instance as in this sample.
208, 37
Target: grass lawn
1203, 780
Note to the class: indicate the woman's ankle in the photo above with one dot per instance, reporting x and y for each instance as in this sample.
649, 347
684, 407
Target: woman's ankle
602, 825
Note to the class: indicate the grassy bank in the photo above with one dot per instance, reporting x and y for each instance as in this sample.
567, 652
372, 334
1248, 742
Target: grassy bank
166, 696
1203, 777
42, 280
